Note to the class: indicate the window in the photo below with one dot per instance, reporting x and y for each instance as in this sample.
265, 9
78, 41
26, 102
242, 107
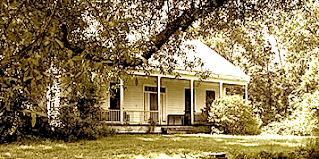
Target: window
153, 101
210, 97
154, 89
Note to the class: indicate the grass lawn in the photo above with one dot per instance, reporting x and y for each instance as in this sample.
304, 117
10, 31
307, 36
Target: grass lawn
149, 146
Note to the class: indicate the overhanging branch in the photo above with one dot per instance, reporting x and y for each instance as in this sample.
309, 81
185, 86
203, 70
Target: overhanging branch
182, 22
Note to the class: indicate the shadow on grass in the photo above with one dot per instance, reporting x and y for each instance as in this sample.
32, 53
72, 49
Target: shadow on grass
154, 146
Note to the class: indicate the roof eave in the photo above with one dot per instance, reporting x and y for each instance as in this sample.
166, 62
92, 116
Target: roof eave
212, 76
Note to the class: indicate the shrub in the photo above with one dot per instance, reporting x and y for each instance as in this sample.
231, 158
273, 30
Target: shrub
234, 115
287, 127
75, 128
303, 121
18, 126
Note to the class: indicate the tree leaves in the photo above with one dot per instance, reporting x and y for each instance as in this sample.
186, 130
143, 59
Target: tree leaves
26, 78
34, 115
76, 58
275, 51
60, 43
7, 107
33, 119
70, 53
39, 113
112, 24
93, 75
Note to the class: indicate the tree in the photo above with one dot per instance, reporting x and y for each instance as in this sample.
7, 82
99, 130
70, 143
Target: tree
267, 50
304, 120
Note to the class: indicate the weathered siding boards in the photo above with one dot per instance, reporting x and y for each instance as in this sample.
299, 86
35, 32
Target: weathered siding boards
200, 93
133, 93
175, 95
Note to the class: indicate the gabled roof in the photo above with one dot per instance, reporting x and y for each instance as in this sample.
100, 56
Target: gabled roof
212, 61
217, 65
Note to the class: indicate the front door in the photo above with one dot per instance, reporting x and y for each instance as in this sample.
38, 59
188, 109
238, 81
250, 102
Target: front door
187, 117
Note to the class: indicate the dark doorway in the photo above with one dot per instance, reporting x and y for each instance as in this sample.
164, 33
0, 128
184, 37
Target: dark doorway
210, 97
114, 114
114, 96
187, 119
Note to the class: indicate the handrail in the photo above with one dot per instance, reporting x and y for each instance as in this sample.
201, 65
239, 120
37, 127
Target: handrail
128, 110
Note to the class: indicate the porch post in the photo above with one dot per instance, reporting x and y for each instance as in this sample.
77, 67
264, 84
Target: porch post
159, 99
192, 102
221, 90
121, 101
246, 91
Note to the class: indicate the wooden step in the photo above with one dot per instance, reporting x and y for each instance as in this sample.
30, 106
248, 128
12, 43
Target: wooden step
185, 129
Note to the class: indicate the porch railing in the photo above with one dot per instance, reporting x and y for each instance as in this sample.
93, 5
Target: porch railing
146, 117
129, 116
111, 115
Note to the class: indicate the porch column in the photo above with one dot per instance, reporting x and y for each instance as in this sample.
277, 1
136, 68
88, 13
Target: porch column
121, 101
221, 90
246, 91
159, 99
192, 102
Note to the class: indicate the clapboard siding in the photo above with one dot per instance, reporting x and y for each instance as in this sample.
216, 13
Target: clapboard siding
200, 93
175, 95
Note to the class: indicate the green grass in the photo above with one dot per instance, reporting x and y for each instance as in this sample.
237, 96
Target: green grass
148, 146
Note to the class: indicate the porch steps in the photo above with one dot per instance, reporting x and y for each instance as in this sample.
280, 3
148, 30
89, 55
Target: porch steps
143, 129
185, 129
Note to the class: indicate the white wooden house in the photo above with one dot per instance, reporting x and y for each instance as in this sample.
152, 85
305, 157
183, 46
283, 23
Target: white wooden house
181, 100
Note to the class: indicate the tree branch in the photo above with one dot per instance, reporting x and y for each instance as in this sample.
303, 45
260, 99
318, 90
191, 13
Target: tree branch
66, 43
182, 22
26, 48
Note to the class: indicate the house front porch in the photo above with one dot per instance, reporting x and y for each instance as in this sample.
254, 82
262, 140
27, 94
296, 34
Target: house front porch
163, 100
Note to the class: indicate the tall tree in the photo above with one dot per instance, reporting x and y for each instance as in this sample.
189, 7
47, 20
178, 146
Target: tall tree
267, 48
